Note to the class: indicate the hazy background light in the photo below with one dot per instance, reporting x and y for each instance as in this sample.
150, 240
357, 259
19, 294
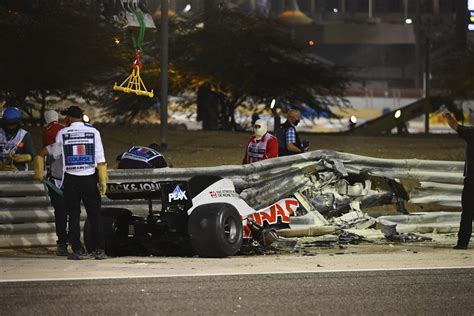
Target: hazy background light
272, 105
187, 8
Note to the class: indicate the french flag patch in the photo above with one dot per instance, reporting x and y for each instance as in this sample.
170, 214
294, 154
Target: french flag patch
79, 150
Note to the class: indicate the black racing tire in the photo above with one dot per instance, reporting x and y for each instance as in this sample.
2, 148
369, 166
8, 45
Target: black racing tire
112, 218
215, 230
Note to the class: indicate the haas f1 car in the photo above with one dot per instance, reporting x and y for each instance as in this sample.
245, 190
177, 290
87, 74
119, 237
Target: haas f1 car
202, 216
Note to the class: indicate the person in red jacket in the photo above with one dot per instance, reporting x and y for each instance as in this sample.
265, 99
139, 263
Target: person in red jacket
54, 169
262, 145
52, 127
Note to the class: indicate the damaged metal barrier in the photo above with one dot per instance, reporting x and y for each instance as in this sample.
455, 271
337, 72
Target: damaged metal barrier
330, 186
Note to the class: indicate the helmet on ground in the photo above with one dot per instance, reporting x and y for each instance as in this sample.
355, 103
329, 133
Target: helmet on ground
11, 115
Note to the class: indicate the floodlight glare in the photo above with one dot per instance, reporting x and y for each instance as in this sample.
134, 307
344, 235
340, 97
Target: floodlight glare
272, 105
187, 8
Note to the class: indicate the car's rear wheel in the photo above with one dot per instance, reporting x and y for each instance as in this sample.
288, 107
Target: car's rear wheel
113, 221
215, 230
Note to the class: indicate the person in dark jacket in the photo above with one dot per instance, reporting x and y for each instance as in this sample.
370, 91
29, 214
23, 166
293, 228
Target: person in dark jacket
141, 157
289, 142
467, 198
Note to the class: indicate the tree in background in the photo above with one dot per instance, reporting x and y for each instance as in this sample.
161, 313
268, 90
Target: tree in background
242, 60
63, 48
54, 48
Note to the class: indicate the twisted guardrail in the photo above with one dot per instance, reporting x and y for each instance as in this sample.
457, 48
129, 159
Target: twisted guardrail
27, 218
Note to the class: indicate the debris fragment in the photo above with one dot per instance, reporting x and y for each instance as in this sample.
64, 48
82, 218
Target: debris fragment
390, 232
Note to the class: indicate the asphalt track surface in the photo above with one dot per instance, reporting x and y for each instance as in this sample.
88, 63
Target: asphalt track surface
399, 291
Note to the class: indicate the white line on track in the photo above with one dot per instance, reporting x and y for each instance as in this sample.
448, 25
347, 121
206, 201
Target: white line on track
233, 274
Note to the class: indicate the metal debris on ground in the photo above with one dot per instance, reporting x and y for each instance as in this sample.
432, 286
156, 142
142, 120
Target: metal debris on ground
390, 232
346, 238
335, 197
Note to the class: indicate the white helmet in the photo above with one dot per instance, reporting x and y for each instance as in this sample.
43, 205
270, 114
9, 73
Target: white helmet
259, 128
51, 116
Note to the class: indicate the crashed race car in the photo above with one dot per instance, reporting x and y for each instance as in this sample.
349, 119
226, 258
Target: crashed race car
203, 216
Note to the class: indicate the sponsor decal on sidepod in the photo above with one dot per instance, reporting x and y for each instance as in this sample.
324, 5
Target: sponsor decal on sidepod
279, 212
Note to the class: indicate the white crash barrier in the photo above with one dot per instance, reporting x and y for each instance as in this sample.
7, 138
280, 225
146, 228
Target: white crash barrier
442, 194
435, 222
27, 219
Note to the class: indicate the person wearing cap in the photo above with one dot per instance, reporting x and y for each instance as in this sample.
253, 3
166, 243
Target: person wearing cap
141, 157
262, 145
54, 176
16, 146
85, 178
467, 198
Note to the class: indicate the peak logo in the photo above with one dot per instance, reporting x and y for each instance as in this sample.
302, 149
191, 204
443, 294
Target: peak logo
177, 195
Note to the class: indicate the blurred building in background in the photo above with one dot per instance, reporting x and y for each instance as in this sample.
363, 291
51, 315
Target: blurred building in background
384, 42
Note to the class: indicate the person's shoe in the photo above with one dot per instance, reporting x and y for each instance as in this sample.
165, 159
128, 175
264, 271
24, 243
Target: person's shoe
460, 247
82, 252
77, 255
61, 250
100, 254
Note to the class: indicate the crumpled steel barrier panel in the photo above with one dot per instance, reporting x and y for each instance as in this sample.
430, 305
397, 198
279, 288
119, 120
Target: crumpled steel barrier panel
442, 194
436, 222
25, 189
27, 240
273, 191
409, 164
260, 183
43, 235
37, 202
26, 228
35, 215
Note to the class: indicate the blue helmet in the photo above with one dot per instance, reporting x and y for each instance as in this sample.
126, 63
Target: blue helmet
11, 115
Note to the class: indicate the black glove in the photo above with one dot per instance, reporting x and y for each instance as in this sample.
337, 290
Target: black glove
305, 145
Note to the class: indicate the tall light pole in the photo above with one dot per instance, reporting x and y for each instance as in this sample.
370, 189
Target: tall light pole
164, 76
426, 81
